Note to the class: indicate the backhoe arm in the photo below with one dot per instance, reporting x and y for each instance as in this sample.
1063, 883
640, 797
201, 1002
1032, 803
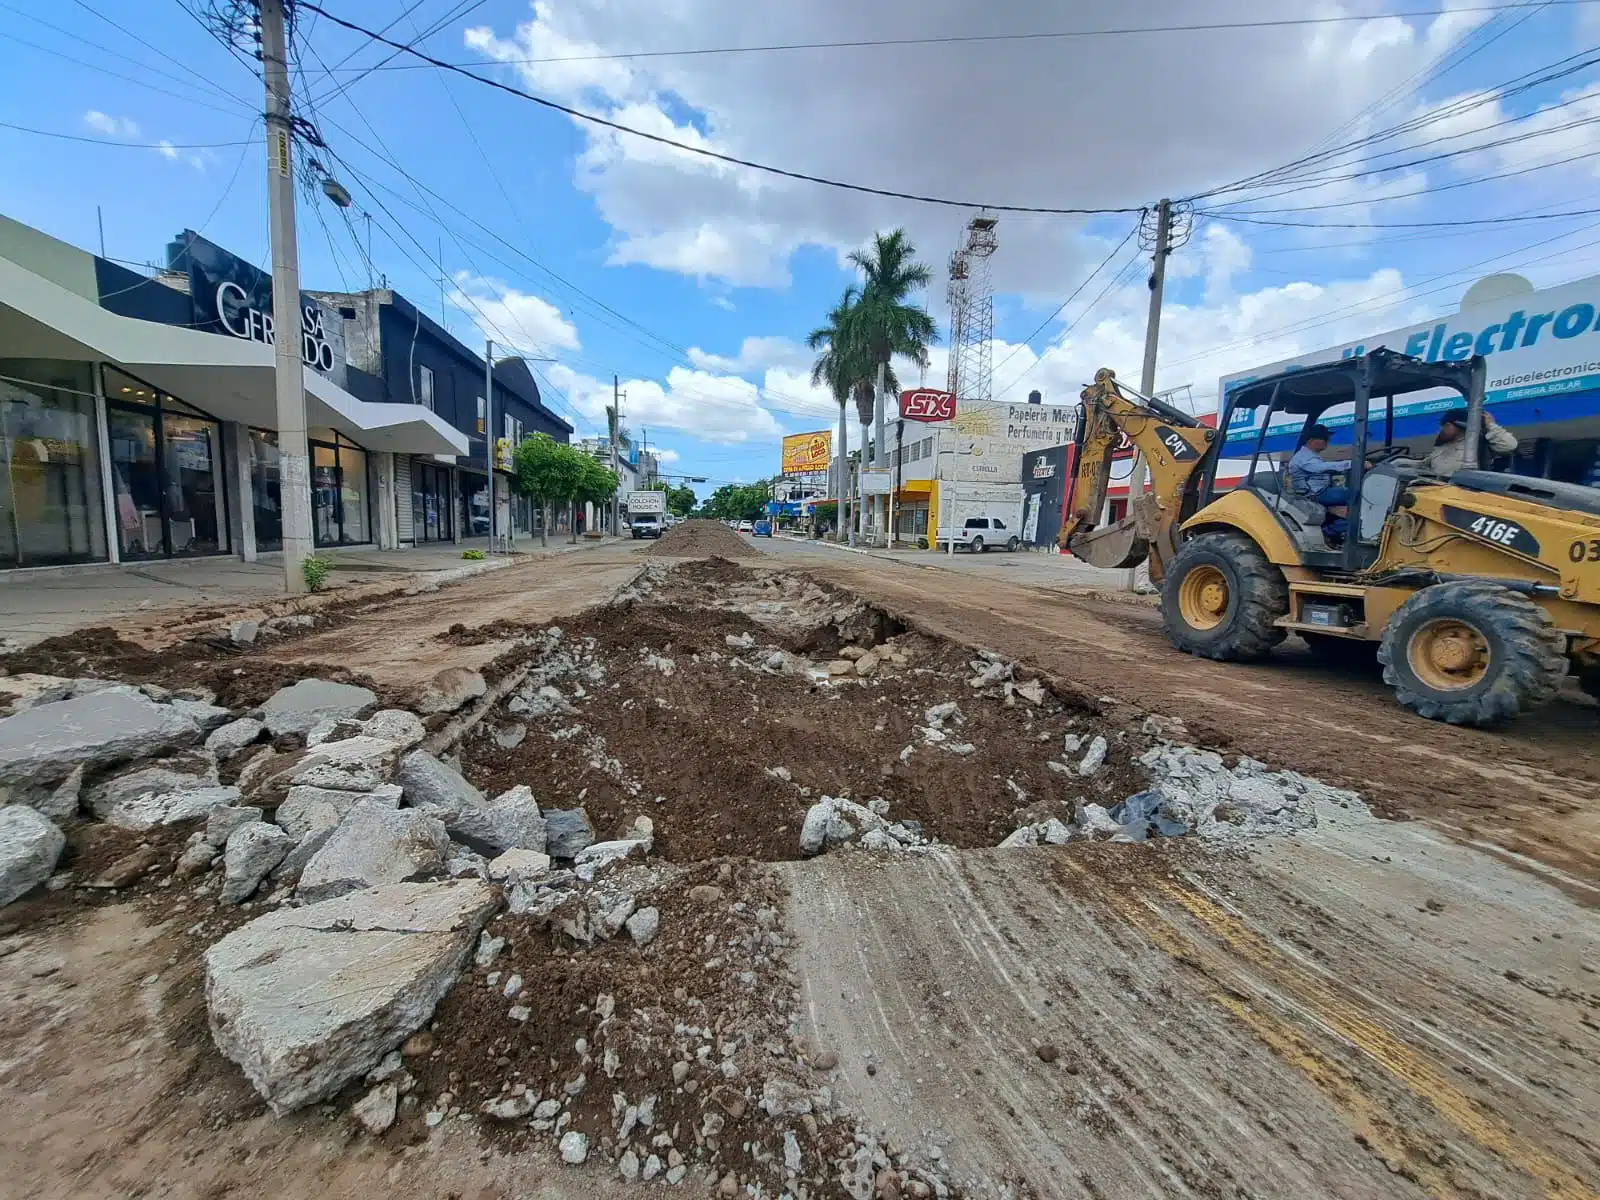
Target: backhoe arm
1174, 445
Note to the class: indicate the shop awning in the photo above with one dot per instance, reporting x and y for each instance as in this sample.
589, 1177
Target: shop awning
229, 378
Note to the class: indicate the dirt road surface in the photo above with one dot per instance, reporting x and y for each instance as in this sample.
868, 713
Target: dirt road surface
1374, 1008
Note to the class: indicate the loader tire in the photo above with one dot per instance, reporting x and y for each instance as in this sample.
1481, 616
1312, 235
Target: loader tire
1221, 599
1472, 653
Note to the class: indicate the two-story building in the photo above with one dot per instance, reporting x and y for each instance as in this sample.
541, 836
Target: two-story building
399, 354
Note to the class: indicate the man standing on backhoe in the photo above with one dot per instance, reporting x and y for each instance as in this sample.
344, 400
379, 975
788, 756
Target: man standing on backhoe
1449, 453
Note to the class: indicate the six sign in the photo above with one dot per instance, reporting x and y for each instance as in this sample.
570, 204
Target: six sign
927, 405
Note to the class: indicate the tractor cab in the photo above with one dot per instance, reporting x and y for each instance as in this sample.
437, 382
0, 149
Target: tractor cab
1355, 394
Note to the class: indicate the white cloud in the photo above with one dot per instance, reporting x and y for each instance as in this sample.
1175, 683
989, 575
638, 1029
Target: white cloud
1250, 100
667, 457
754, 354
714, 408
167, 150
100, 122
531, 324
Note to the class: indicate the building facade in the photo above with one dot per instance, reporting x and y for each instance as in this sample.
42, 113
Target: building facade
397, 354
138, 415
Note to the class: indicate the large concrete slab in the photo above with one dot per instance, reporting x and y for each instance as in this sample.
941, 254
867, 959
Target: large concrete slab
100, 728
306, 999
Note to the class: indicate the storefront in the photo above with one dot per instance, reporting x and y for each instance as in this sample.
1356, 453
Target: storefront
129, 433
431, 508
52, 503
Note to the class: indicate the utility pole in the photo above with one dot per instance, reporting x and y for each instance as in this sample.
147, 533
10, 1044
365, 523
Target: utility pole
488, 431
880, 456
616, 426
1152, 333
294, 467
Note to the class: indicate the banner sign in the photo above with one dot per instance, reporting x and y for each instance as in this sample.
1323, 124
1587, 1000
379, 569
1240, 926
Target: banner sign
928, 405
1538, 344
876, 481
231, 296
989, 438
807, 453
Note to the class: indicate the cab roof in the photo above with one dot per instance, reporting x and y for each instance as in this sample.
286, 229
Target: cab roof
1314, 389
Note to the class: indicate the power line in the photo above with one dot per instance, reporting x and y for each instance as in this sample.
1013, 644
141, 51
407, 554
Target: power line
463, 9
187, 98
179, 63
1044, 35
74, 137
1508, 220
1120, 279
1115, 250
703, 152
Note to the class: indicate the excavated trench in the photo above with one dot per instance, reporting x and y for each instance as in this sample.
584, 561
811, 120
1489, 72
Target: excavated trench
703, 699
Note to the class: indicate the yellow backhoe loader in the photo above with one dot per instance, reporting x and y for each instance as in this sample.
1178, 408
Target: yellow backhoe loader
1480, 592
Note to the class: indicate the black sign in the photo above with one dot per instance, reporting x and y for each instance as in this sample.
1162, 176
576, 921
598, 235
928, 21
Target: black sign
234, 297
1176, 446
1044, 493
1493, 529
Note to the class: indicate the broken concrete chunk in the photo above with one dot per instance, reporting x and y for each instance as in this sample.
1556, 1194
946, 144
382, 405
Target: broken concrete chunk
395, 725
511, 820
307, 999
43, 744
644, 925
242, 633
196, 858
740, 641
1095, 758
30, 845
1095, 821
150, 809
204, 714
288, 872
509, 737
57, 801
567, 832
517, 865
227, 740
375, 845
450, 689
298, 707
574, 1147
353, 764
252, 851
225, 818
426, 780
307, 808
375, 1112
814, 829
171, 775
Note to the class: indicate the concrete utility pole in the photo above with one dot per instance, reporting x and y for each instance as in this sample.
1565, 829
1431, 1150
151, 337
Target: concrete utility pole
1152, 332
488, 431
880, 455
294, 464
616, 427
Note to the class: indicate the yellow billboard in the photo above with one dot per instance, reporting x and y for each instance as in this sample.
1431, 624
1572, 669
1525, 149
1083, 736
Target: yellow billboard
805, 453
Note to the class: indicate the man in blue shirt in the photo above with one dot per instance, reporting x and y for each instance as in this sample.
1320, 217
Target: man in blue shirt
1311, 476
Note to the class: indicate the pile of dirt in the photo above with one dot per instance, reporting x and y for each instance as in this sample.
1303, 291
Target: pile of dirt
724, 724
701, 539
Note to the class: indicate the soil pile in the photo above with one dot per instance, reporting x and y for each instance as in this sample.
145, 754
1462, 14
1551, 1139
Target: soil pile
702, 539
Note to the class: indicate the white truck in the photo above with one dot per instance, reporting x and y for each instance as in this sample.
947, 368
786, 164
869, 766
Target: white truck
647, 513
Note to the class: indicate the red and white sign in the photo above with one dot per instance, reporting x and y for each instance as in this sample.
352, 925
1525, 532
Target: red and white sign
927, 405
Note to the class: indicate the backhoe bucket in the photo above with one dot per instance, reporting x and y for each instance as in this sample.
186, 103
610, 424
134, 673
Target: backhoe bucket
1119, 545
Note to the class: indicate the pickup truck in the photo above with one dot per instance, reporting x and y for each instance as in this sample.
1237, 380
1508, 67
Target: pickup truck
979, 534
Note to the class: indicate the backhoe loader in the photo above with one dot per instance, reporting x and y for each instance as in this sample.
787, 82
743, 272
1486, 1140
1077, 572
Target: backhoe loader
1480, 592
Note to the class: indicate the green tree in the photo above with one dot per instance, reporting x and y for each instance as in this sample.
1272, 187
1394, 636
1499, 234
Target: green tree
547, 471
842, 366
595, 485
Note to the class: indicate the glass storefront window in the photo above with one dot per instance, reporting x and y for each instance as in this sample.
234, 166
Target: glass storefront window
265, 497
166, 472
52, 509
430, 503
339, 491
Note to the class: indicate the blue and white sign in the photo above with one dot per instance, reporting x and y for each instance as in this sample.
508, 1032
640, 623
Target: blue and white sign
1543, 352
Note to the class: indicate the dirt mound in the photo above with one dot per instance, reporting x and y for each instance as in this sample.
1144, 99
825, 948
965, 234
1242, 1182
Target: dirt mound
702, 539
719, 719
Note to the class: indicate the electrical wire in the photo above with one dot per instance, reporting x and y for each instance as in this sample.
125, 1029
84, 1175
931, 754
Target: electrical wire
1472, 222
704, 152
208, 83
1115, 250
463, 9
1043, 35
76, 137
187, 98
1121, 279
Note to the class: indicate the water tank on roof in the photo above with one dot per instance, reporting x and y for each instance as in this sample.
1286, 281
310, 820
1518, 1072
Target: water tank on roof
1492, 289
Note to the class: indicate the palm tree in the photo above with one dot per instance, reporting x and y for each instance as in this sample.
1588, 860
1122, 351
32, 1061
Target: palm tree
842, 367
885, 323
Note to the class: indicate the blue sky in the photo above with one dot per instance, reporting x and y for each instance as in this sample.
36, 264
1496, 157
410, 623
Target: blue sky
696, 282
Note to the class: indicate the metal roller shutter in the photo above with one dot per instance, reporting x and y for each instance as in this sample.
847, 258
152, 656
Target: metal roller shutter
402, 498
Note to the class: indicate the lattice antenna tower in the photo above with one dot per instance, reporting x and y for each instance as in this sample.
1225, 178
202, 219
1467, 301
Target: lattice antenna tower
971, 295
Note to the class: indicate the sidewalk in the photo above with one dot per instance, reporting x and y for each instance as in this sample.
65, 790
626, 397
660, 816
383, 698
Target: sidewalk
39, 604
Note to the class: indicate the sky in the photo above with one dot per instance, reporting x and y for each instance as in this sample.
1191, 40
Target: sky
695, 281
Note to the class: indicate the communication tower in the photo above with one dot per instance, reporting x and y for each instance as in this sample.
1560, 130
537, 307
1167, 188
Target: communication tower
971, 295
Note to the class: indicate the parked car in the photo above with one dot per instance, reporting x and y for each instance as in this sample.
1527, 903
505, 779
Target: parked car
745, 527
762, 529
978, 534
646, 524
